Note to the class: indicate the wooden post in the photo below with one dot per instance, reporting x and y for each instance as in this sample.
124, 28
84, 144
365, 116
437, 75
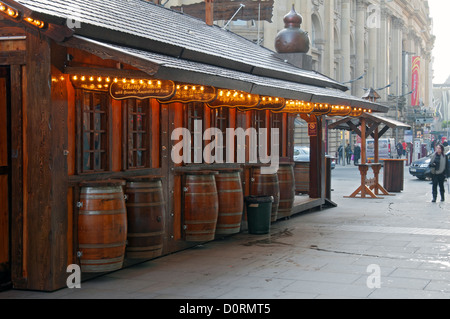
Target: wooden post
376, 157
317, 162
363, 141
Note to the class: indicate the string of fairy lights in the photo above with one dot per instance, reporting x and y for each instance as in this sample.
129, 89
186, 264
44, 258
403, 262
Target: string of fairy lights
213, 97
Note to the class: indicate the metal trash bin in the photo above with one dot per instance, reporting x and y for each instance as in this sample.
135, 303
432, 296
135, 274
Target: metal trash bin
259, 210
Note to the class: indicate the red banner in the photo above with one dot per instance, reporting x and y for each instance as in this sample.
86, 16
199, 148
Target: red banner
415, 80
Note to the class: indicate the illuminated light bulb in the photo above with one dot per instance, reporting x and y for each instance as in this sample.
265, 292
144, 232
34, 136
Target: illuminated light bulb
235, 94
105, 85
61, 78
99, 86
194, 88
132, 81
264, 99
228, 93
159, 83
149, 82
202, 88
221, 93
2, 7
75, 77
141, 82
185, 87
83, 78
108, 79
124, 80
116, 80
277, 99
12, 13
91, 78
99, 79
178, 87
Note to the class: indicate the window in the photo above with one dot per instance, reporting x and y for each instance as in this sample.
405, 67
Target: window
194, 123
220, 120
137, 133
94, 146
277, 122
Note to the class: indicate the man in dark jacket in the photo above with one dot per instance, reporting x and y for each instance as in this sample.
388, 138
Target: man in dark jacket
357, 154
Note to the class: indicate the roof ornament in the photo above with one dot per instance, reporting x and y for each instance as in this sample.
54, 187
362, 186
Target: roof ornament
292, 39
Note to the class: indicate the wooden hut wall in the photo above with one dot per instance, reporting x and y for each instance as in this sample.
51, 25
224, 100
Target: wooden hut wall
48, 163
38, 169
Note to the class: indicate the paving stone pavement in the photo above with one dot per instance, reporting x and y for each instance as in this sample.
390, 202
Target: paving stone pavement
390, 248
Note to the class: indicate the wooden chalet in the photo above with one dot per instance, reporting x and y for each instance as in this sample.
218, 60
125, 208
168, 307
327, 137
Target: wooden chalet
91, 93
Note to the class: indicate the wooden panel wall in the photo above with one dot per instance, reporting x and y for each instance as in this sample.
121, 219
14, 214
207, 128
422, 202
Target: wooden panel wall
4, 172
45, 171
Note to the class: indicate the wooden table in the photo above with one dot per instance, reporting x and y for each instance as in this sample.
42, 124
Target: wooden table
369, 188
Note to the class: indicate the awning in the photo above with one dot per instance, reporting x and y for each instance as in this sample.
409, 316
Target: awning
171, 68
372, 120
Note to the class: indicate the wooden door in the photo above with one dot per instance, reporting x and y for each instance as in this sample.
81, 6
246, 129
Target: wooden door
5, 180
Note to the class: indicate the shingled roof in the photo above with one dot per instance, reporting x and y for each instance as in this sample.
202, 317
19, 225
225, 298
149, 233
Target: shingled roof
187, 49
144, 25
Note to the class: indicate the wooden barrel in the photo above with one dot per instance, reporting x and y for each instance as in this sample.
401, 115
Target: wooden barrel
102, 226
231, 202
301, 174
145, 214
287, 190
201, 206
266, 185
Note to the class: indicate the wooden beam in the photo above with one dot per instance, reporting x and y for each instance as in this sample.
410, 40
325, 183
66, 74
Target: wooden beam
384, 130
355, 128
372, 128
12, 57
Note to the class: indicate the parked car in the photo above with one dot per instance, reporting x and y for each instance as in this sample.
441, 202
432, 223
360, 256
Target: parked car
301, 154
421, 167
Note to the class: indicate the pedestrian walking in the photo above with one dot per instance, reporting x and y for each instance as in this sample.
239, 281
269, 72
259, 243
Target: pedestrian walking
439, 170
357, 154
340, 154
404, 145
399, 148
348, 153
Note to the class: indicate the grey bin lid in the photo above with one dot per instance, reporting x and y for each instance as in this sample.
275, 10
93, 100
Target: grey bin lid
258, 199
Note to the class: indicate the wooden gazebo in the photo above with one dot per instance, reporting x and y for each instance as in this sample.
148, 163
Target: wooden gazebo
364, 126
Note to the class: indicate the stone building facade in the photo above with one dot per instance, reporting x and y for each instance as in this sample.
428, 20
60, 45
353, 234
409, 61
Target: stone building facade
362, 43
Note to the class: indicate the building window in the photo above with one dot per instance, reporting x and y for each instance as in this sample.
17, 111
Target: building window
137, 133
194, 123
94, 131
277, 123
220, 120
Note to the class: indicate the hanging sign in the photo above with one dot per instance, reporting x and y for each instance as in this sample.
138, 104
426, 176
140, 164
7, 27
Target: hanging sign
186, 93
234, 99
141, 89
312, 129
